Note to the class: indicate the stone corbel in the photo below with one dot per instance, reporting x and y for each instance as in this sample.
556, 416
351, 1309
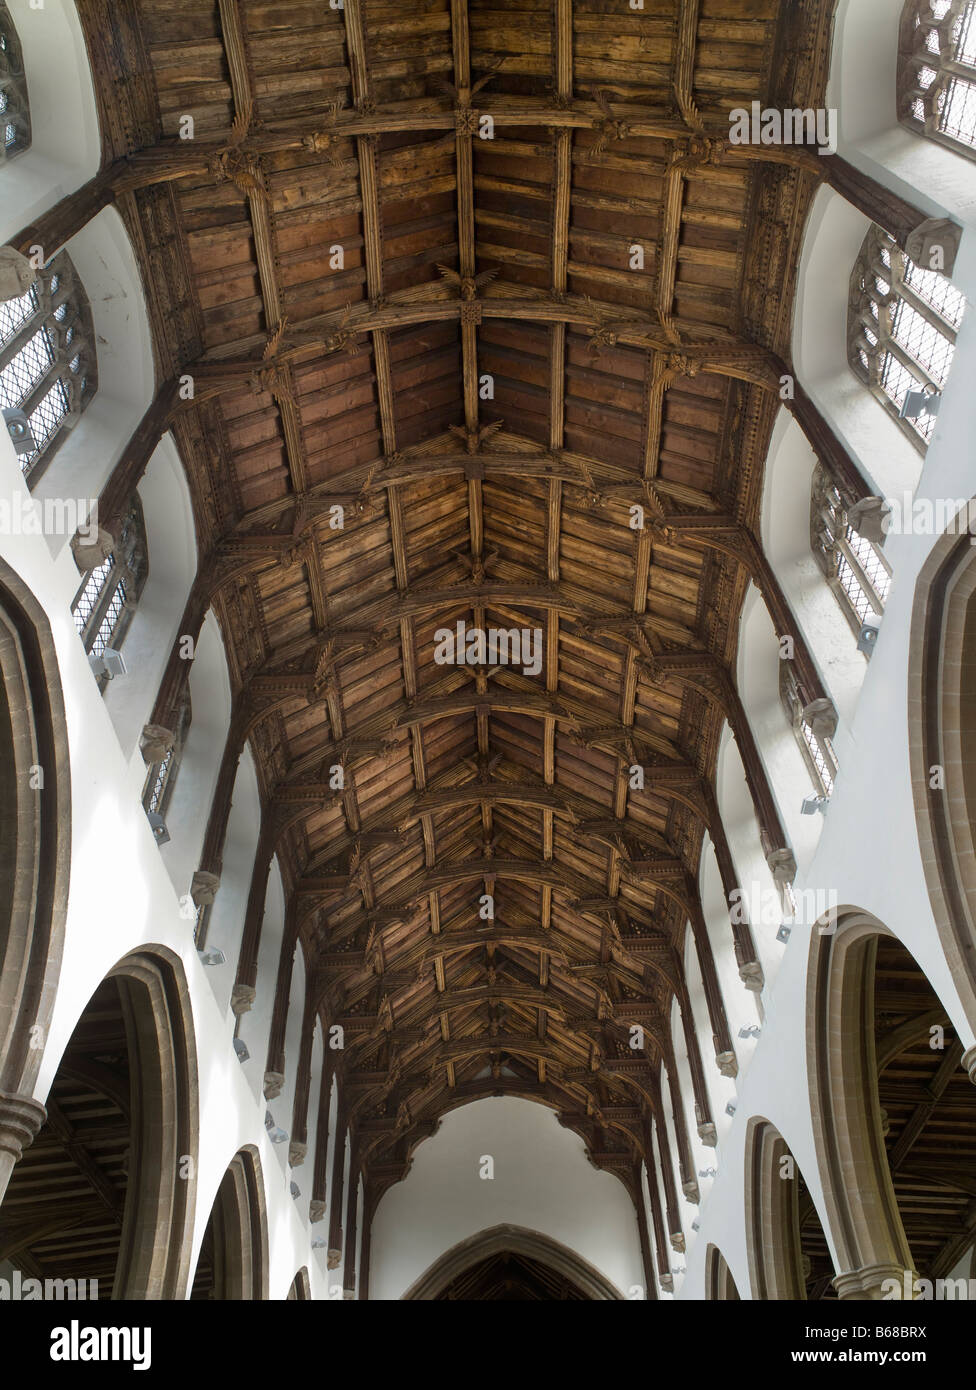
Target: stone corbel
89, 554
727, 1064
935, 240
296, 1153
751, 975
154, 743
868, 1283
677, 1242
690, 1189
334, 1259
241, 998
821, 716
782, 865
203, 888
708, 1134
21, 1118
868, 518
317, 1209
273, 1082
16, 274
667, 1282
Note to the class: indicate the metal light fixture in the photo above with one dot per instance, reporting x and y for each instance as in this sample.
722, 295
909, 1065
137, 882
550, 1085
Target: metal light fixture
212, 956
110, 663
783, 935
319, 1243
240, 1047
868, 637
295, 1191
18, 427
916, 403
752, 1031
275, 1133
158, 827
813, 803
730, 1108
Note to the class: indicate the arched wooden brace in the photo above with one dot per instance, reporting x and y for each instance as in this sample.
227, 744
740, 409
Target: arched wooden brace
686, 1164
245, 985
647, 1262
298, 1147
157, 736
352, 1204
826, 445
657, 1215
338, 1178
703, 1106
126, 476
319, 1204
717, 1017
809, 683
67, 218
371, 1197
206, 879
675, 1234
889, 210
274, 1072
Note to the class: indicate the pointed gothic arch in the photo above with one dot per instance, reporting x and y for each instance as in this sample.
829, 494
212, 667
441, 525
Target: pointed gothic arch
233, 1262
515, 1240
719, 1284
942, 726
35, 835
107, 1191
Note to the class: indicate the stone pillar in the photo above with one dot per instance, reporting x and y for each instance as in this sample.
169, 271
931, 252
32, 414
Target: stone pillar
21, 1118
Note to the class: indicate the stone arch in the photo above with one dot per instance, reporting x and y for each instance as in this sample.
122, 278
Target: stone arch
154, 1258
941, 730
516, 1240
300, 1290
233, 1262
772, 1217
719, 1283
862, 1209
107, 1192
35, 847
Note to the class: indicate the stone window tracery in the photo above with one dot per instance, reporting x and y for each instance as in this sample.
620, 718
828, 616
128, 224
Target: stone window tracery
902, 326
937, 71
15, 122
107, 599
48, 367
853, 563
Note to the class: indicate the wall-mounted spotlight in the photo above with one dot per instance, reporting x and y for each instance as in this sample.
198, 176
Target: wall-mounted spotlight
752, 1031
783, 934
240, 1047
811, 804
730, 1108
319, 1243
295, 1190
275, 1133
916, 403
212, 956
110, 663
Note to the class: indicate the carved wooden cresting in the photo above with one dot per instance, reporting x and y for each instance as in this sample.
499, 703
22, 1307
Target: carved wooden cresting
486, 321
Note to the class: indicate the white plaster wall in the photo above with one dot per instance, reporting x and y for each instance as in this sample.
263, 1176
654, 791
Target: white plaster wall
65, 146
542, 1181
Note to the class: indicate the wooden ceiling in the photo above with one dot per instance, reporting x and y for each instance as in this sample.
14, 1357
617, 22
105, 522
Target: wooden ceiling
487, 387
508, 1277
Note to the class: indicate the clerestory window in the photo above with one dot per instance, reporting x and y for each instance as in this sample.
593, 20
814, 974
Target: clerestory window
14, 107
854, 565
937, 71
107, 599
815, 745
902, 330
48, 370
161, 778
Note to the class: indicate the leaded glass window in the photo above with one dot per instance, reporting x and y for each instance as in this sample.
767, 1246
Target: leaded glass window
47, 360
104, 604
937, 71
854, 564
815, 746
15, 122
161, 777
902, 330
